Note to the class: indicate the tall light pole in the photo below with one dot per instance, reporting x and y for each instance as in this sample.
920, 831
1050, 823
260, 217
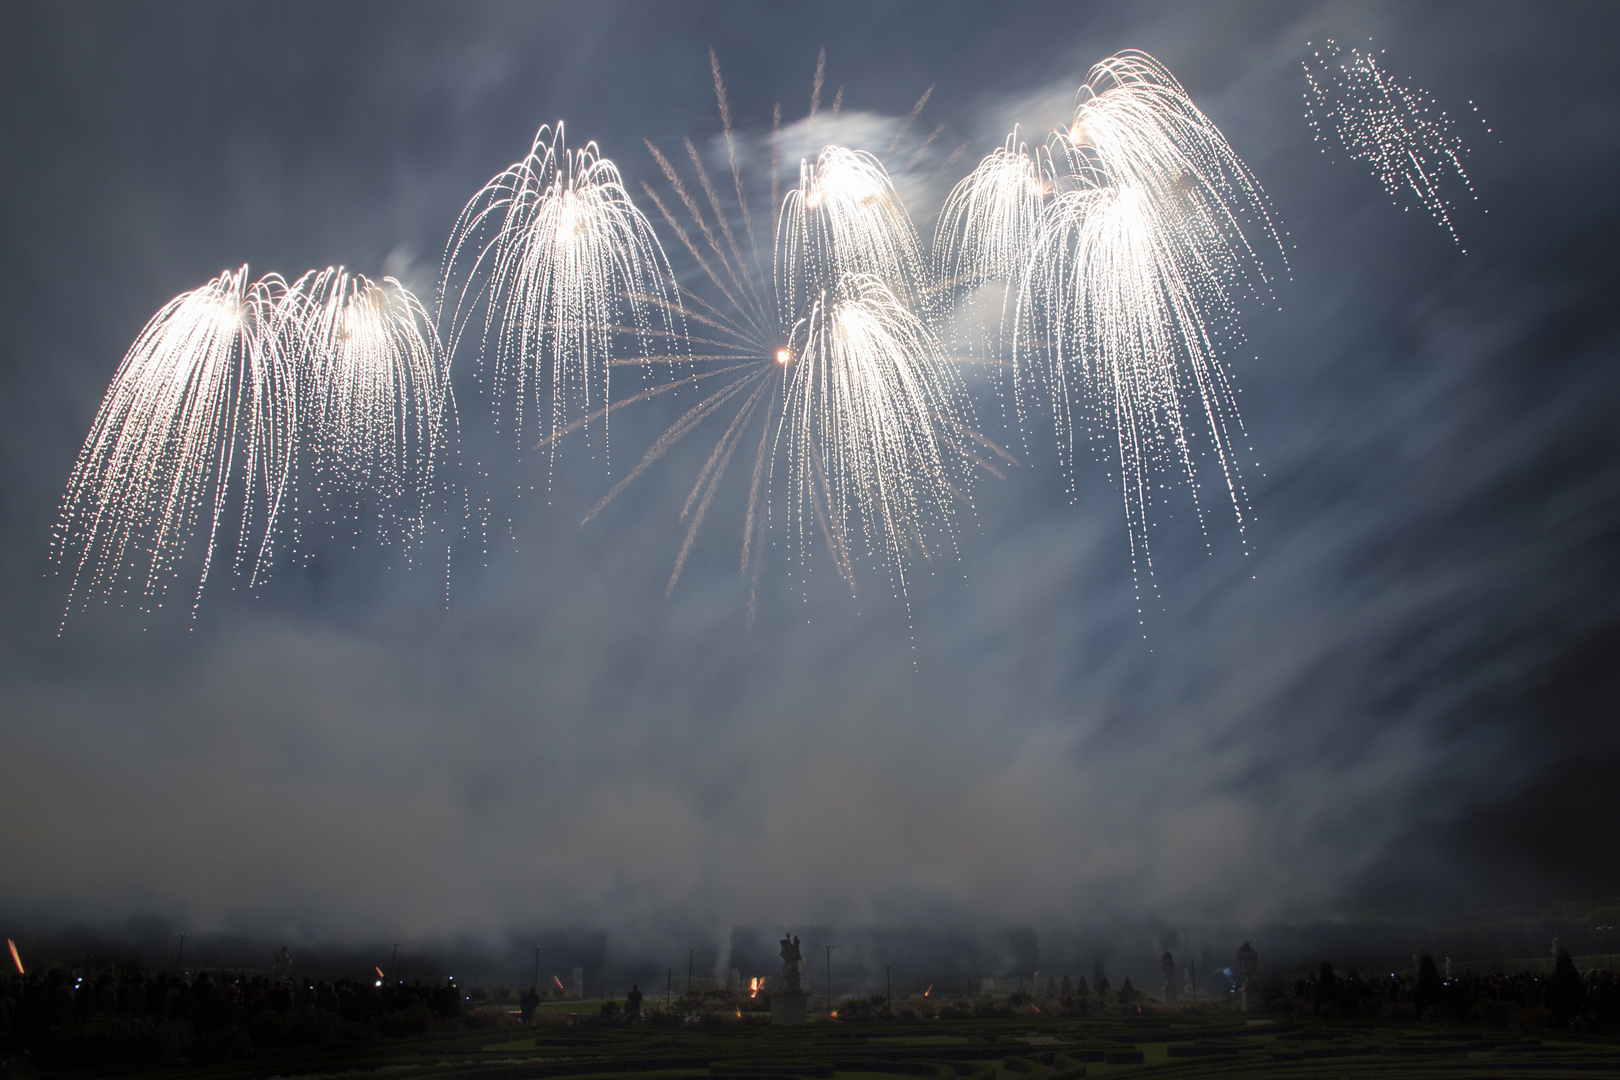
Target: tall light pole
180, 951
669, 986
888, 985
392, 964
829, 949
690, 953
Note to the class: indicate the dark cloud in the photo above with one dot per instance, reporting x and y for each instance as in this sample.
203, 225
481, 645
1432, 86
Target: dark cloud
1396, 698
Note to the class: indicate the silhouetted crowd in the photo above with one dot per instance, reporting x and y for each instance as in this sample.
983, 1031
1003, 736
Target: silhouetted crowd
126, 1017
1563, 999
129, 1017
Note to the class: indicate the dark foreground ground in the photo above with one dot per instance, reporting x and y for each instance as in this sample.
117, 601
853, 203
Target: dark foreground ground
1163, 1045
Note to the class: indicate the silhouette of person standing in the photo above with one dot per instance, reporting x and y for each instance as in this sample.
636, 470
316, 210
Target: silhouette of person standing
632, 1002
528, 1003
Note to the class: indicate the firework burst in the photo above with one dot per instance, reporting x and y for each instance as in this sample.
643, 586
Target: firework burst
820, 365
1124, 244
374, 392
989, 224
1411, 144
845, 218
562, 264
197, 433
872, 415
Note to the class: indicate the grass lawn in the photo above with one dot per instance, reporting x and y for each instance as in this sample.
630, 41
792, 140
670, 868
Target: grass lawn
1205, 1047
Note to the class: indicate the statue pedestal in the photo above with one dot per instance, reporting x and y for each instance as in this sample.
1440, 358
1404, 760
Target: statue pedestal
789, 1009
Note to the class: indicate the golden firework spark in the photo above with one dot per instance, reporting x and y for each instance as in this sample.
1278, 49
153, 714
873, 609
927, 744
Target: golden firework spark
871, 420
844, 218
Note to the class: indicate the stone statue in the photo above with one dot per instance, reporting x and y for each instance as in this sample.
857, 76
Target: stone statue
1167, 965
282, 966
791, 959
1248, 962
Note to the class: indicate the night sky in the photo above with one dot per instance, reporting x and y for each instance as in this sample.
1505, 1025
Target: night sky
1396, 696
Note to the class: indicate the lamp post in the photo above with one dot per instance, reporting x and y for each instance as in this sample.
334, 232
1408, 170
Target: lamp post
669, 987
180, 951
393, 967
888, 985
690, 953
829, 949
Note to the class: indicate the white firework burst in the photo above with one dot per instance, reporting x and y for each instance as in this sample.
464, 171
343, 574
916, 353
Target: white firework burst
375, 385
1411, 144
196, 435
562, 265
821, 364
1124, 245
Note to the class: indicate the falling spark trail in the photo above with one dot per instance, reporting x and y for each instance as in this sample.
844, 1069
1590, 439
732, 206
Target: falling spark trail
824, 371
845, 217
988, 225
1123, 245
561, 263
375, 381
1411, 144
198, 432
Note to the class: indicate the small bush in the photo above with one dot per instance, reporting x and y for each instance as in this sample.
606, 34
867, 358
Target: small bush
489, 1016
